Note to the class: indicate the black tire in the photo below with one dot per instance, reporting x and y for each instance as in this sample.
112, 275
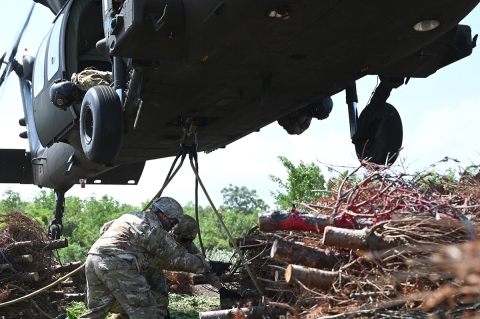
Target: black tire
101, 124
385, 138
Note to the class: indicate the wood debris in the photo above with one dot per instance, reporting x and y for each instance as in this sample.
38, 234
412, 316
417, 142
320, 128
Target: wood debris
387, 245
28, 264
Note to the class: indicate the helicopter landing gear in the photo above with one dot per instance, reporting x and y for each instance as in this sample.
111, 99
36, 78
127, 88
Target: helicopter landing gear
385, 136
101, 124
378, 133
55, 228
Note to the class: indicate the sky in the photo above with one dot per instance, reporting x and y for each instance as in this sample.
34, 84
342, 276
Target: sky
440, 115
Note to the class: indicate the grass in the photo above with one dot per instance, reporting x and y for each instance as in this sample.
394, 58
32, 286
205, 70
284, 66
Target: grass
181, 306
188, 307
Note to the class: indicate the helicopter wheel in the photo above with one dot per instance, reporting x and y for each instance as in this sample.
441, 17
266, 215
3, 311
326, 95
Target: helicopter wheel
386, 136
101, 124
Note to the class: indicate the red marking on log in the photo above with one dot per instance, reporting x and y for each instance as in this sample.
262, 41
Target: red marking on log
295, 222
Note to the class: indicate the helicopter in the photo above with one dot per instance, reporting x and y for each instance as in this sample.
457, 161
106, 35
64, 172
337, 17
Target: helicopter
222, 69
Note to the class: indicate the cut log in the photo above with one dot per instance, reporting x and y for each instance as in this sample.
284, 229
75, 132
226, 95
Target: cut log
250, 313
22, 244
28, 276
22, 259
303, 255
272, 221
67, 267
362, 239
56, 244
310, 277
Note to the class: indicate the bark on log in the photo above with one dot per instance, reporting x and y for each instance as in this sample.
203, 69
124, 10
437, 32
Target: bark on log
56, 244
67, 267
22, 259
304, 255
250, 313
28, 276
22, 244
272, 221
362, 239
310, 277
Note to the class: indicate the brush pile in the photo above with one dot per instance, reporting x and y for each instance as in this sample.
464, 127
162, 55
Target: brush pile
27, 264
385, 245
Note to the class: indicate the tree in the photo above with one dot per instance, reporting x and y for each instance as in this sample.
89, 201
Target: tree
12, 201
42, 208
242, 200
301, 182
213, 234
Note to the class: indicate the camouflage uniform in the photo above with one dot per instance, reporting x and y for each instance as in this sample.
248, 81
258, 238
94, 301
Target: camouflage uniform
91, 77
114, 264
186, 228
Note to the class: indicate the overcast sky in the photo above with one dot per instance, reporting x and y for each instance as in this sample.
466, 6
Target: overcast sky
440, 114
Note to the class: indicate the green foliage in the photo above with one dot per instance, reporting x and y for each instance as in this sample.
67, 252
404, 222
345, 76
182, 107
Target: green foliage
338, 180
242, 200
188, 307
82, 222
300, 183
11, 201
213, 234
42, 207
446, 182
75, 310
180, 307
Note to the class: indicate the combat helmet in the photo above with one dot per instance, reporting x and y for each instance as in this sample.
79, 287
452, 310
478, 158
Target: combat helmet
170, 207
186, 230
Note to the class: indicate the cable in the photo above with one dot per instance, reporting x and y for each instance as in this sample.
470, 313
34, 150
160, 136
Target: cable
53, 284
32, 301
8, 263
196, 213
239, 252
167, 179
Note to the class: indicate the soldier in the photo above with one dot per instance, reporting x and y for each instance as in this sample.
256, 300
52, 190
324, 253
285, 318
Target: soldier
184, 232
114, 263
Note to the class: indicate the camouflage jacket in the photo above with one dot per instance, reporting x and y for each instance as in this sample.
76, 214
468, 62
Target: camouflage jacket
211, 277
141, 234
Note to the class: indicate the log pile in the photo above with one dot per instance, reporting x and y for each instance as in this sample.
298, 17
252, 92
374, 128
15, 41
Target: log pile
28, 264
387, 245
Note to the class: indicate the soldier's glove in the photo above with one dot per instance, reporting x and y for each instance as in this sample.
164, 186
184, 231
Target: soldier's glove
229, 294
219, 267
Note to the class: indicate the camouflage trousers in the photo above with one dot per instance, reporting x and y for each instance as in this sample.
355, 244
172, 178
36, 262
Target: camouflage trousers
115, 278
